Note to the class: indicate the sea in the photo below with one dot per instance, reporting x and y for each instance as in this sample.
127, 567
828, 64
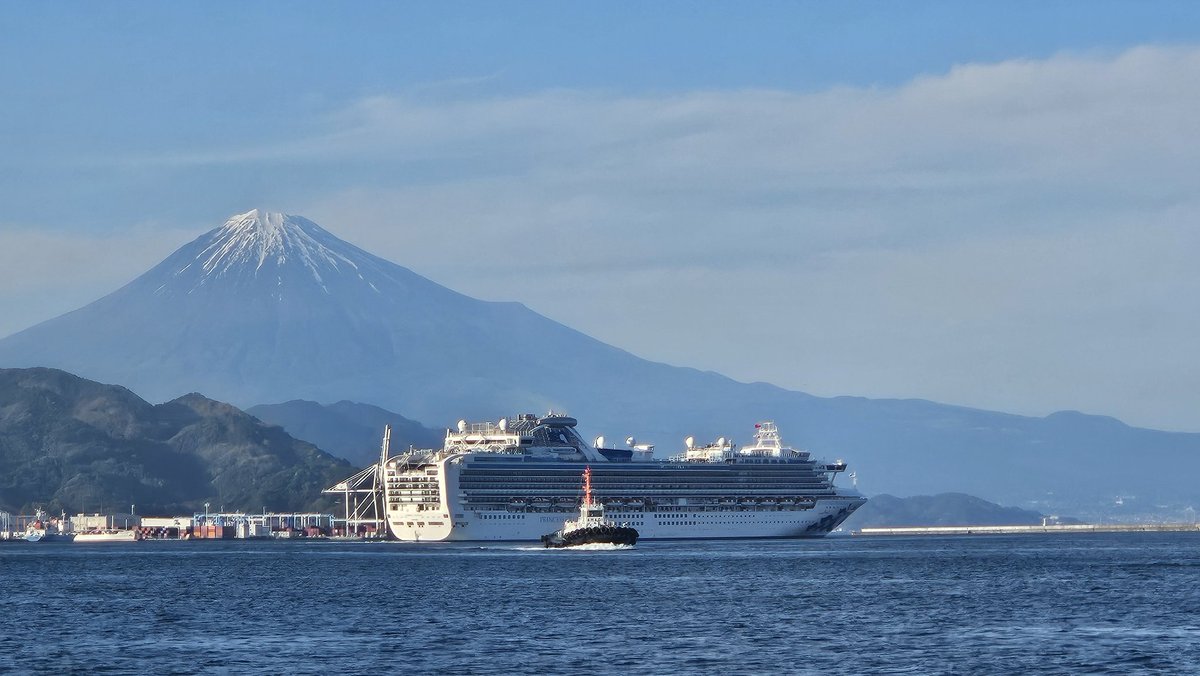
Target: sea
1062, 603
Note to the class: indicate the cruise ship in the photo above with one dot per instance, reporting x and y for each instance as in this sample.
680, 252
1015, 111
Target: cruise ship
518, 479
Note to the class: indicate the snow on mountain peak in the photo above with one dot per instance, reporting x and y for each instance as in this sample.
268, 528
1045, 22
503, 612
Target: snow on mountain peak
261, 241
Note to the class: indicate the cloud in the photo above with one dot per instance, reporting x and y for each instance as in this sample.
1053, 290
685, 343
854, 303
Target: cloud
1014, 235
1008, 235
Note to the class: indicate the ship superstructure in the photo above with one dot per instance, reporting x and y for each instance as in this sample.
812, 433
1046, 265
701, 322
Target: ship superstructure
591, 527
517, 479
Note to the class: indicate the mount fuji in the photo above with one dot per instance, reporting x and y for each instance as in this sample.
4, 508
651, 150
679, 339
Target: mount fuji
270, 308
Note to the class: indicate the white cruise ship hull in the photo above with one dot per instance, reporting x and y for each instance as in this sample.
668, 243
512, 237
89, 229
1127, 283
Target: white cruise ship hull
684, 525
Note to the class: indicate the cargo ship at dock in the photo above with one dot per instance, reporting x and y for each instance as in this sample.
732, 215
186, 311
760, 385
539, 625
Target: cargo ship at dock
515, 480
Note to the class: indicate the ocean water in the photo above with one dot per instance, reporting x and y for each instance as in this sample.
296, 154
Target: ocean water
1119, 603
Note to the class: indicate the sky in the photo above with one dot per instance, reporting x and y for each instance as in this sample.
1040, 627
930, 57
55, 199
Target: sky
985, 204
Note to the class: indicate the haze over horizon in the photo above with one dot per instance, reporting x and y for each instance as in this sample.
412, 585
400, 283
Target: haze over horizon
1002, 219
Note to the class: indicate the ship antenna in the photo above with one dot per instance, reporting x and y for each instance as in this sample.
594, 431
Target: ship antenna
587, 486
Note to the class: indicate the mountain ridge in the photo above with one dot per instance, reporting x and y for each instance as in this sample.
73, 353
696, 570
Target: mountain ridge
943, 509
347, 429
70, 443
281, 323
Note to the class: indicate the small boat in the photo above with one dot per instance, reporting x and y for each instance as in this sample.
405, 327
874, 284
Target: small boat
592, 527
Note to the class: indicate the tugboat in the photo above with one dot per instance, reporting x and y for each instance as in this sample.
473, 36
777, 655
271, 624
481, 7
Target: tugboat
591, 527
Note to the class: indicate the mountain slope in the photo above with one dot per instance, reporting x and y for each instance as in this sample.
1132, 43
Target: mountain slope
347, 429
74, 444
268, 308
273, 308
946, 509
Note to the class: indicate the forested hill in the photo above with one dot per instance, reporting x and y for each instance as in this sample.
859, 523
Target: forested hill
72, 444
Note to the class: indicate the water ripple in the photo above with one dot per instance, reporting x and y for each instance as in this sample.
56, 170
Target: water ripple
1118, 603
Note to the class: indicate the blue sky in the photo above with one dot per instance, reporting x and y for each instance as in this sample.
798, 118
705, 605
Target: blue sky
987, 204
92, 85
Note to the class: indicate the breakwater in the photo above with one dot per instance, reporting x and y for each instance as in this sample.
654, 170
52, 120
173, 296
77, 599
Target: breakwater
1017, 530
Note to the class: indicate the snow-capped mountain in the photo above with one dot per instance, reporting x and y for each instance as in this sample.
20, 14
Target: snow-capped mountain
278, 254
270, 308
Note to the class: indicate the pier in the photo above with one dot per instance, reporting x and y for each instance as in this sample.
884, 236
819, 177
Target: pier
198, 526
237, 526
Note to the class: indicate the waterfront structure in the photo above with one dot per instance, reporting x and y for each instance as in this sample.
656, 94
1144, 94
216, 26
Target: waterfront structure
237, 525
518, 479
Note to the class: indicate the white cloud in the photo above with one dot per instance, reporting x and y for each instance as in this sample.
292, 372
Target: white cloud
1015, 235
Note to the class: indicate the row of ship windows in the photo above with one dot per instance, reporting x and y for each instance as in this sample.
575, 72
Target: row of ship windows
726, 493
688, 514
610, 478
665, 495
788, 486
650, 506
710, 523
782, 488
642, 470
606, 479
